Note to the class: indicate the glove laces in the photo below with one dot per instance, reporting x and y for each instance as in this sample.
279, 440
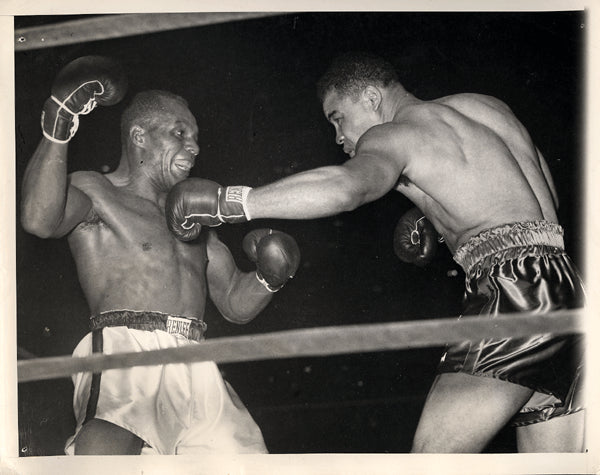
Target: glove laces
415, 235
87, 108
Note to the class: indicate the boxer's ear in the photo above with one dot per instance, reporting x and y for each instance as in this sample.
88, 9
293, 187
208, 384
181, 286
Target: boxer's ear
372, 96
136, 135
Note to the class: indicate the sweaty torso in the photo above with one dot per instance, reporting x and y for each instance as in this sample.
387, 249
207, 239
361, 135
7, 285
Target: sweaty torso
127, 259
470, 165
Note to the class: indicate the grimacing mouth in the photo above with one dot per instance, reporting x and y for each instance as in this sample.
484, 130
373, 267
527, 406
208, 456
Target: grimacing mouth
183, 164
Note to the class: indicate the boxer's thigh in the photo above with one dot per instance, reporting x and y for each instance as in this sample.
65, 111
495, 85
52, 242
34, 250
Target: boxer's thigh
99, 437
463, 412
560, 434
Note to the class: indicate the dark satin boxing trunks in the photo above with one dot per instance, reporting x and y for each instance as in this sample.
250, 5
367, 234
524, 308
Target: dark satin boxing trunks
522, 267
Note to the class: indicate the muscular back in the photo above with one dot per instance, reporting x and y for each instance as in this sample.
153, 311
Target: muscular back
469, 164
127, 259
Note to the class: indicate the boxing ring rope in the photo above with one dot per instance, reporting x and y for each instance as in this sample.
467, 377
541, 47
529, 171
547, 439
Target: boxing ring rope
116, 26
320, 341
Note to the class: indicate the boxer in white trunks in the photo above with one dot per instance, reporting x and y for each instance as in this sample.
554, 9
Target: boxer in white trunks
146, 289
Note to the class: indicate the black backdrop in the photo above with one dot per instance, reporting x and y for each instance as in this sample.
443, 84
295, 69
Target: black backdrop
251, 85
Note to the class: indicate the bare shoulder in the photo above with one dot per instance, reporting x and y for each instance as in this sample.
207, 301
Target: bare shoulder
88, 178
472, 99
85, 179
98, 189
96, 185
427, 121
381, 140
476, 106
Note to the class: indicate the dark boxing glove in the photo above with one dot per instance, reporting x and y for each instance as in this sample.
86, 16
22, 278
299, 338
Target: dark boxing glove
195, 202
276, 255
415, 238
77, 89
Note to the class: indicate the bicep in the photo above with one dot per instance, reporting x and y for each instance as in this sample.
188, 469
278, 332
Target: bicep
78, 208
221, 270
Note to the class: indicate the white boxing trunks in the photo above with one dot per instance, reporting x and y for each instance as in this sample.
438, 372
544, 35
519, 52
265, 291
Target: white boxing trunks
175, 408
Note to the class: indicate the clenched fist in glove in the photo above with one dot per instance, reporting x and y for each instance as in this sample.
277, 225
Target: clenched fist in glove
77, 89
276, 255
415, 238
195, 202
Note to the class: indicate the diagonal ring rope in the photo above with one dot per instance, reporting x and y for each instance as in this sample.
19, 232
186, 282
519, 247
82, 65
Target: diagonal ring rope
320, 341
106, 27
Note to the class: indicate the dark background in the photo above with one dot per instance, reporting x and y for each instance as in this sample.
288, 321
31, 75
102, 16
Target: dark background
251, 85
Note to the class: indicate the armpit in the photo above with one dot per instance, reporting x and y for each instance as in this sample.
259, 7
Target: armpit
91, 220
403, 180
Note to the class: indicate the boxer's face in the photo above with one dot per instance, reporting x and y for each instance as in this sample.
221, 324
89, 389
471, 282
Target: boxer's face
351, 117
174, 142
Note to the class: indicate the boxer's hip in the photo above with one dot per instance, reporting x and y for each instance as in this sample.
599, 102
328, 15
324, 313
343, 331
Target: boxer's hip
191, 328
520, 268
507, 242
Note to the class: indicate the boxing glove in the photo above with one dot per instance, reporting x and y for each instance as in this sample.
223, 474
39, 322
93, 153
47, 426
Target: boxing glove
78, 88
276, 255
415, 238
194, 202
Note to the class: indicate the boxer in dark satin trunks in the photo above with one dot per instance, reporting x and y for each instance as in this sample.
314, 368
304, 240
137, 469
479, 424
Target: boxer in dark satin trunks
522, 267
471, 167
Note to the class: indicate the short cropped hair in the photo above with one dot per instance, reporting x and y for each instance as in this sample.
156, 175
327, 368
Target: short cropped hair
351, 72
146, 108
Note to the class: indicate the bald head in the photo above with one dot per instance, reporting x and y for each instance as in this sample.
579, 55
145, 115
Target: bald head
147, 108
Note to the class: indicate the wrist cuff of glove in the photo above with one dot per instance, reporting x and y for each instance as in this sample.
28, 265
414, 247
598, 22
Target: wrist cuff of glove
233, 204
245, 191
266, 285
59, 124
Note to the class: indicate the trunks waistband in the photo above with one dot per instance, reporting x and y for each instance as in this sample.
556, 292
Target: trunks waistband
189, 328
483, 250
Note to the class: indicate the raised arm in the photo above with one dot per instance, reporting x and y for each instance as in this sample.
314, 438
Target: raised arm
240, 296
50, 206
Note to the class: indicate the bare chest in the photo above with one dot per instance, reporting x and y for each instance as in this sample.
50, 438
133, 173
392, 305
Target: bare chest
132, 231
